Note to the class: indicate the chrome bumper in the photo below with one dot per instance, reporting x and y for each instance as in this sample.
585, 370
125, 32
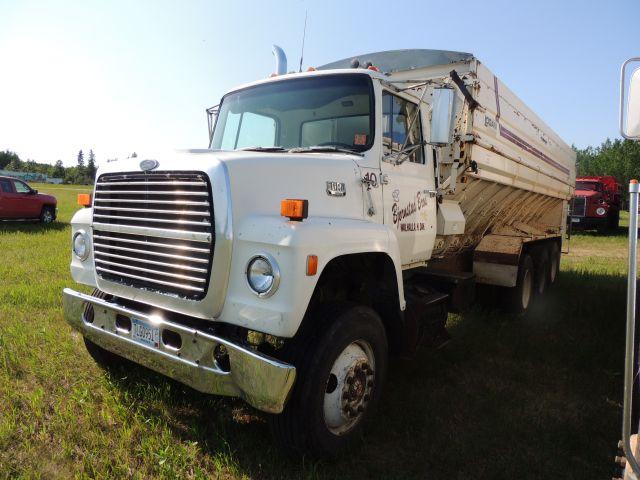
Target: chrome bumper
262, 381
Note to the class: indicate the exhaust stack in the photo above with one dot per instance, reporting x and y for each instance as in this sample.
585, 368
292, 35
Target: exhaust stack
281, 60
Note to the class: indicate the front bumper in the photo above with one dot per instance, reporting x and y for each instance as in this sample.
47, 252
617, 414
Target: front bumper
262, 381
588, 223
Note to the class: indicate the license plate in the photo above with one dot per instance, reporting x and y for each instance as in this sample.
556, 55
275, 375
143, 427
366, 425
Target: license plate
575, 220
143, 332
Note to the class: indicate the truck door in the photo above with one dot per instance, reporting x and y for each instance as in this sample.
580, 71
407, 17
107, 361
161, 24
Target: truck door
7, 199
408, 188
27, 204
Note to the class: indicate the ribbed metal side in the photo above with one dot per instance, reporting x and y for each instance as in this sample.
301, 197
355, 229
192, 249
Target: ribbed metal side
154, 230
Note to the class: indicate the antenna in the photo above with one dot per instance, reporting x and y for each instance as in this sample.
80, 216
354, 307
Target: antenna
304, 33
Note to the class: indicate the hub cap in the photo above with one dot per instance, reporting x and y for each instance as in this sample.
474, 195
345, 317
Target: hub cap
349, 387
47, 216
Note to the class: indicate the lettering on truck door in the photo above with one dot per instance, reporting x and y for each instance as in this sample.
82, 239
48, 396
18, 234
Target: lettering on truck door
408, 187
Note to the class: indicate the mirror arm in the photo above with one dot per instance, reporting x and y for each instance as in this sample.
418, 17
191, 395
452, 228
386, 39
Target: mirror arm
473, 103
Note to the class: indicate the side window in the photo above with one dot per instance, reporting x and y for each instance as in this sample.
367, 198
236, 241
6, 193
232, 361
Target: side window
5, 185
21, 187
401, 126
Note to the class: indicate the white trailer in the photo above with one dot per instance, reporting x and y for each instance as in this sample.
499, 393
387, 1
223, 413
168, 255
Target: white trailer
336, 218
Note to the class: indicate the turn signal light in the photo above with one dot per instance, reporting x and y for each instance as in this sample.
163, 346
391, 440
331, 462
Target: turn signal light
84, 199
312, 265
294, 209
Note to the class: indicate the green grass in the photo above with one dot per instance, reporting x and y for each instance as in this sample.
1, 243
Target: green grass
531, 397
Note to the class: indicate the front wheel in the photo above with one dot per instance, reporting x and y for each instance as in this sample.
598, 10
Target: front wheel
340, 373
47, 215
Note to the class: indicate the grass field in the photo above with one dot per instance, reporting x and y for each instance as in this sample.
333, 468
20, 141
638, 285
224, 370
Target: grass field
527, 398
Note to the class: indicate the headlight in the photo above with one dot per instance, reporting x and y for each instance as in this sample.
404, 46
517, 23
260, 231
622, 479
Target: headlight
263, 275
80, 249
600, 211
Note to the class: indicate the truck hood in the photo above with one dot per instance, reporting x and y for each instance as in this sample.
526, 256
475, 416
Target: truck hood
46, 198
586, 193
259, 181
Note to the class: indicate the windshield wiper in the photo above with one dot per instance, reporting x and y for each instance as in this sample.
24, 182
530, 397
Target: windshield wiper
262, 149
325, 148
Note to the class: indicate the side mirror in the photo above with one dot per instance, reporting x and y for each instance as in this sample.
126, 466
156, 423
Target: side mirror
212, 115
441, 116
35, 192
630, 101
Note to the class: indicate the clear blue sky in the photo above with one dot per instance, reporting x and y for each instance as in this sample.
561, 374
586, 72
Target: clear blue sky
122, 76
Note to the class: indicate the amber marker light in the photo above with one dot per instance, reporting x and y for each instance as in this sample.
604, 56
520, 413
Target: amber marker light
312, 265
294, 209
84, 199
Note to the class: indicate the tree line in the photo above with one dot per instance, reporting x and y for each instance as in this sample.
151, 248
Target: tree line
79, 174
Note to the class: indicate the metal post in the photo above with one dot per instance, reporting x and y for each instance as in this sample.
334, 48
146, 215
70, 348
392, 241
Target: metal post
629, 364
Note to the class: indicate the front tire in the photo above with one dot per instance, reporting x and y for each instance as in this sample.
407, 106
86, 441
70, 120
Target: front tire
341, 369
104, 358
47, 215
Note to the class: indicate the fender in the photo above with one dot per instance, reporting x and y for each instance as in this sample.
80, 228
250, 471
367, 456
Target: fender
289, 243
82, 271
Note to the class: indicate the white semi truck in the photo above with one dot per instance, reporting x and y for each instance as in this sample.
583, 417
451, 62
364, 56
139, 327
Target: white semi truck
336, 218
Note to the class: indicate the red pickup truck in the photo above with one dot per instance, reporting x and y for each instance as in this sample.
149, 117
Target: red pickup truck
19, 201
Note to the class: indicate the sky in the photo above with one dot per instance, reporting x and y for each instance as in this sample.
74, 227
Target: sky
122, 76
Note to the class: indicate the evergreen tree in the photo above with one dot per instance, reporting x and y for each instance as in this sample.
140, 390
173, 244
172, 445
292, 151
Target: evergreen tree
15, 165
6, 157
91, 167
81, 160
58, 170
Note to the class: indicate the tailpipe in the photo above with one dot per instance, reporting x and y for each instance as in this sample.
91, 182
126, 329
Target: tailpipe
281, 60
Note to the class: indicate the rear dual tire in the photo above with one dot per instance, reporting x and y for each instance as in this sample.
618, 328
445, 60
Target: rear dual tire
536, 272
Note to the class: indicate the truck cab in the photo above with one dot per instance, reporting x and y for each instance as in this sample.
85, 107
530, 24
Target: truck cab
596, 204
335, 218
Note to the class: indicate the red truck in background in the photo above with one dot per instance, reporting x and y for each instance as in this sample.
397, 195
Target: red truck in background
19, 201
596, 203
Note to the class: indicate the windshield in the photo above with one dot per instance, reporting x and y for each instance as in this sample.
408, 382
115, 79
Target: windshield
333, 110
587, 186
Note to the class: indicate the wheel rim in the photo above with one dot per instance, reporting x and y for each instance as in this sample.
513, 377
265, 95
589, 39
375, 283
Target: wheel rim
47, 217
349, 387
526, 289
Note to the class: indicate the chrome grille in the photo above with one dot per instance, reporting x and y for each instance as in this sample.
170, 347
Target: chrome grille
154, 231
579, 206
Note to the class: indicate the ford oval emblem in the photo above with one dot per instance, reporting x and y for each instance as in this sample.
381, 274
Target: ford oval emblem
147, 165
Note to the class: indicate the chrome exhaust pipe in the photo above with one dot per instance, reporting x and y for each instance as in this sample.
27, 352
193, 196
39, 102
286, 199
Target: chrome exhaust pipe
281, 60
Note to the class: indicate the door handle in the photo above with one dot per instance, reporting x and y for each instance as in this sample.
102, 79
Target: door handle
431, 193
